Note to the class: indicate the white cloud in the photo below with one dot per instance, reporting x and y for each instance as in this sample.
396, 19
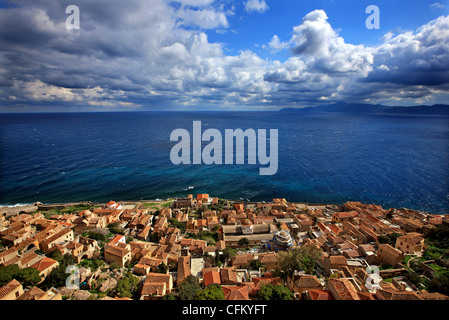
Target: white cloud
256, 6
436, 5
276, 44
143, 53
203, 18
324, 50
195, 3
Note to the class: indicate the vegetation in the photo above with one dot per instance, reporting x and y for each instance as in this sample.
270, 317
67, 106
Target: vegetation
256, 264
439, 284
275, 292
439, 236
56, 255
113, 266
301, 258
243, 241
154, 237
189, 288
413, 277
93, 264
212, 292
58, 276
177, 224
127, 286
26, 276
113, 228
94, 235
432, 252
169, 296
162, 268
389, 238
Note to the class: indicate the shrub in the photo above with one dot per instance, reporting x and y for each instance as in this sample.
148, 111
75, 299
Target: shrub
275, 292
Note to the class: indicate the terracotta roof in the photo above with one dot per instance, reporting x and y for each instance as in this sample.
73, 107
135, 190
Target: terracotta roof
149, 261
44, 264
183, 268
57, 235
268, 257
338, 260
156, 288
235, 292
390, 250
116, 251
344, 289
228, 275
115, 240
259, 281
316, 294
386, 294
220, 244
9, 287
211, 277
413, 238
307, 281
32, 294
157, 277
8, 251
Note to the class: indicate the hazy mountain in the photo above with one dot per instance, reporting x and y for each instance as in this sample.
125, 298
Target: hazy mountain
343, 107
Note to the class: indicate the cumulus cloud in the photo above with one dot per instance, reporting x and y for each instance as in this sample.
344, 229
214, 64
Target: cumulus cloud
276, 44
206, 19
156, 53
325, 51
256, 6
415, 58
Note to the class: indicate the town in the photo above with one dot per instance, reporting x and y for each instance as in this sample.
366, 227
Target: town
208, 248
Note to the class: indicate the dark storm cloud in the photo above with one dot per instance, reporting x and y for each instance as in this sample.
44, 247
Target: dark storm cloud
151, 53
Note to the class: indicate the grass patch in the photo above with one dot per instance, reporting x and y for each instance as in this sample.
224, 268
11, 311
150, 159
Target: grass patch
432, 252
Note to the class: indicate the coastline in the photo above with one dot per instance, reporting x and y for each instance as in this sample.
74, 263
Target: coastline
15, 209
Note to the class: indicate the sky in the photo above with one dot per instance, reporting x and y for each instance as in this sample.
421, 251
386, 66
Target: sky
187, 55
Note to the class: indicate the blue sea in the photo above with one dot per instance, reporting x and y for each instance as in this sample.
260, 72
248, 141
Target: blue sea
394, 161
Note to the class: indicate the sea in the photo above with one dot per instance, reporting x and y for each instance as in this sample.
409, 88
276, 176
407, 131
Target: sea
395, 161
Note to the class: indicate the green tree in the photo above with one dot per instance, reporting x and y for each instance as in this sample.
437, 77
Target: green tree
58, 276
127, 286
256, 264
26, 276
275, 292
413, 278
211, 292
169, 296
155, 237
8, 273
177, 224
439, 236
96, 236
56, 255
301, 258
162, 268
188, 288
244, 241
389, 238
439, 284
113, 228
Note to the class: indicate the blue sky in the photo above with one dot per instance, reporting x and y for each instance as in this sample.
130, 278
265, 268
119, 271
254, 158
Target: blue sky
220, 54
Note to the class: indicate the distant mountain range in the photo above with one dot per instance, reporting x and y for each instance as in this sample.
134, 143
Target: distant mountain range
361, 108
